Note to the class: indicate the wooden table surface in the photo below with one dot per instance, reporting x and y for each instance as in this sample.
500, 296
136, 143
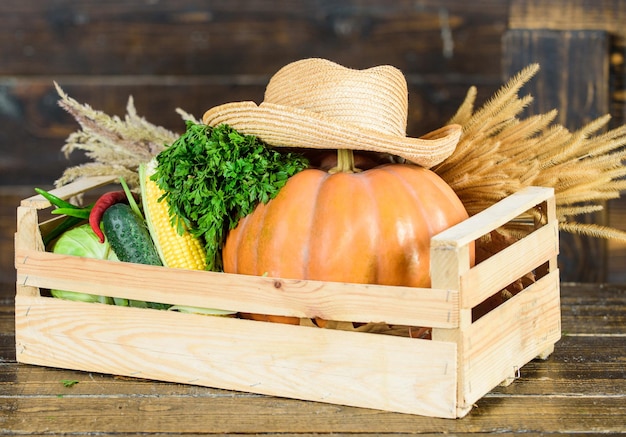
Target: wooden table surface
580, 388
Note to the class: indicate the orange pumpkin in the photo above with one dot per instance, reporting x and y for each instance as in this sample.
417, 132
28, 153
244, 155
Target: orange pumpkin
372, 226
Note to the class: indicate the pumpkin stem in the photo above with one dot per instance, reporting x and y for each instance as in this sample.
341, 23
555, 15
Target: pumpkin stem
345, 162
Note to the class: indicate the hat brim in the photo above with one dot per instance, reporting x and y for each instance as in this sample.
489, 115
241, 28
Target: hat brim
284, 126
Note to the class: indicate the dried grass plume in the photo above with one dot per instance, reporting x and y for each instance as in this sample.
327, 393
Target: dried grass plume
116, 146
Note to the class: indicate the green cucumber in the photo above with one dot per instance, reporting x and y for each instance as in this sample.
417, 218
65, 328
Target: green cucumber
128, 235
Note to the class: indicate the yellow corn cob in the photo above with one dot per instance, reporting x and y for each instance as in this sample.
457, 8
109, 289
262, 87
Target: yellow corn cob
176, 251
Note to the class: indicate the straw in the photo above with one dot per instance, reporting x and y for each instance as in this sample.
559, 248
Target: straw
315, 103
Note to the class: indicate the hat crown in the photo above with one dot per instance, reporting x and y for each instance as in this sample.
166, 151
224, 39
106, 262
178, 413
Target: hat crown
375, 98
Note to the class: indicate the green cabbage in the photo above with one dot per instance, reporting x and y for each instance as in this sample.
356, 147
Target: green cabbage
82, 241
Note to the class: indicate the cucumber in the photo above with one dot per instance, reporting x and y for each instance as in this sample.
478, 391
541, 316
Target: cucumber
128, 236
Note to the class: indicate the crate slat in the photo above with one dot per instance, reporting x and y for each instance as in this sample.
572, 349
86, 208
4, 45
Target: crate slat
491, 218
451, 269
256, 294
496, 273
366, 370
70, 190
500, 343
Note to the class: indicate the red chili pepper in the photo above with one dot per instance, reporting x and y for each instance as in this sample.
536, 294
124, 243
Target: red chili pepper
101, 205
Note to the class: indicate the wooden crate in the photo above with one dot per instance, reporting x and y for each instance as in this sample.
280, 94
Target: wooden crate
440, 377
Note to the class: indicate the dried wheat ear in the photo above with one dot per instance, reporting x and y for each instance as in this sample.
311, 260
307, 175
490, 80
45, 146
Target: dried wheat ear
499, 153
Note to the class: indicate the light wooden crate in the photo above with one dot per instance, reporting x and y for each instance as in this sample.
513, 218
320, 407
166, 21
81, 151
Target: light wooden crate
441, 377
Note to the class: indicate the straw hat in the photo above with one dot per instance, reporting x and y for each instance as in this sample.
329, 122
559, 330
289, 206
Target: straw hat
316, 103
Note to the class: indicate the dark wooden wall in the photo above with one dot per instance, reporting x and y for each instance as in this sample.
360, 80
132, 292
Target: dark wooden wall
197, 54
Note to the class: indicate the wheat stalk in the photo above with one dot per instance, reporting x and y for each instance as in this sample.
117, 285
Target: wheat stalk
500, 153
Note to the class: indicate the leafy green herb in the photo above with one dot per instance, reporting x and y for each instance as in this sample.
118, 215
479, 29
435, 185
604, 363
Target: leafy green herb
69, 382
214, 176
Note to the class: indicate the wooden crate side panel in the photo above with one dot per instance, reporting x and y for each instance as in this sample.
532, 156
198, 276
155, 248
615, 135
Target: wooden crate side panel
27, 236
447, 267
244, 293
497, 345
28, 239
451, 269
364, 370
510, 264
491, 218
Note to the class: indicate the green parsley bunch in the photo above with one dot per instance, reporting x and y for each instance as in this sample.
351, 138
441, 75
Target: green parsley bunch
214, 176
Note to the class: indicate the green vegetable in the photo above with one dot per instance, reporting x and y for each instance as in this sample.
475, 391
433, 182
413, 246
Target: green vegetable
75, 214
81, 241
131, 199
81, 213
69, 382
203, 311
55, 200
128, 235
213, 177
67, 224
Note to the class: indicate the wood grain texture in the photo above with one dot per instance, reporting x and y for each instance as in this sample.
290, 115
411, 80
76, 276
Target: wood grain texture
449, 249
256, 37
152, 344
245, 293
251, 294
578, 389
501, 342
196, 55
267, 358
495, 273
539, 247
569, 15
580, 96
40, 127
616, 259
254, 415
563, 35
332, 301
595, 310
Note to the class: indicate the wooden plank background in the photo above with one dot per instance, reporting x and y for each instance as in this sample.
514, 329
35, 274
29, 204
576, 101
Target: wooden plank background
197, 54
581, 45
